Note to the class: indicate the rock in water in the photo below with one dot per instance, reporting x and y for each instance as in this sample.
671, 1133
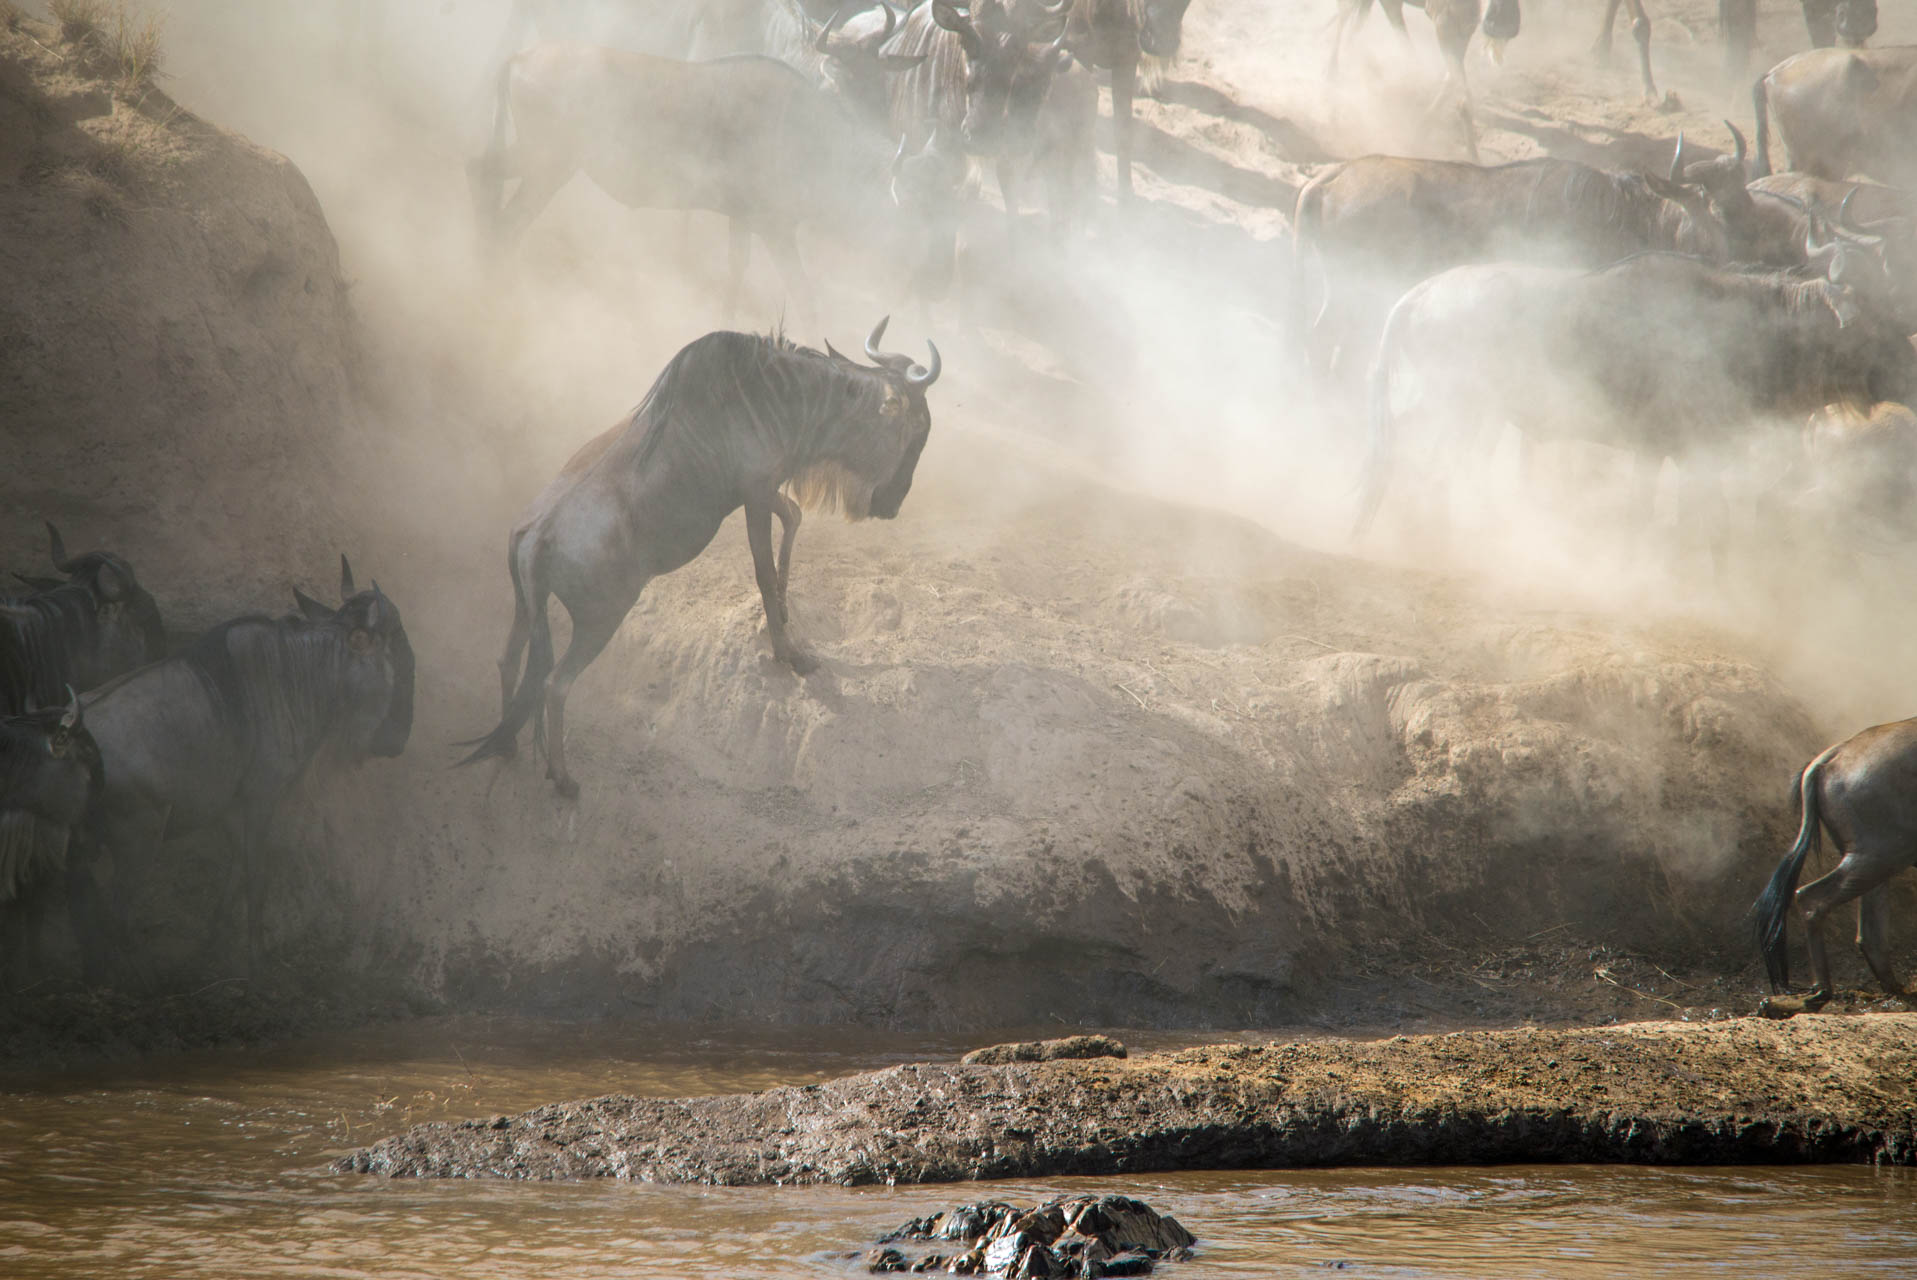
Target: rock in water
1077, 1236
998, 1055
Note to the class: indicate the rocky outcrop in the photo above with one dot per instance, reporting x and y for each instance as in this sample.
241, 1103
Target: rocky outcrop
1078, 1236
1044, 1051
1816, 1088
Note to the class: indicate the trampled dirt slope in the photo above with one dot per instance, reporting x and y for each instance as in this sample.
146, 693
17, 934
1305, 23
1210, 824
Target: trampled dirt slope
1076, 752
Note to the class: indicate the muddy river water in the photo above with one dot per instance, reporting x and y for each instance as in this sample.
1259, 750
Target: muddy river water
215, 1166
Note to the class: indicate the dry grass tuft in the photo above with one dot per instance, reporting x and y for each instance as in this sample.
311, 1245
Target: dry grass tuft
10, 15
81, 22
136, 50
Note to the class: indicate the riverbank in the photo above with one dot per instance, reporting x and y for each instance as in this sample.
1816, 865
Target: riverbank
1819, 1088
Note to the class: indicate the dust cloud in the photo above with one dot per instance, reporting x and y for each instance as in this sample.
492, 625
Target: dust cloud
1128, 436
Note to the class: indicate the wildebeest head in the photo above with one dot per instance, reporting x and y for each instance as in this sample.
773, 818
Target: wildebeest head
50, 766
998, 57
1721, 179
1160, 25
882, 429
855, 68
1876, 361
128, 620
376, 673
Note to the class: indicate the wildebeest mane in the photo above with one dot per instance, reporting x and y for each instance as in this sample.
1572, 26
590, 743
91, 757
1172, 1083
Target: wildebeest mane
768, 381
275, 679
1620, 205
39, 635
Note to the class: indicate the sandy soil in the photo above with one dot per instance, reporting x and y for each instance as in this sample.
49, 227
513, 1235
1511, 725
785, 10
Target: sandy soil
1816, 1088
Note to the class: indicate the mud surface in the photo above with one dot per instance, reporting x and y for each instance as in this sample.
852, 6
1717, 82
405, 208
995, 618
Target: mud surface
1816, 1088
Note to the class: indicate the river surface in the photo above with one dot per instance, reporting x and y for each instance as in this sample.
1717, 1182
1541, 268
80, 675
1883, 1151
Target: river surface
214, 1166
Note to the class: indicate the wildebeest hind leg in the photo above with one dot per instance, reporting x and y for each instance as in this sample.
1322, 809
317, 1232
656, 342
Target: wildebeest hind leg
789, 515
537, 187
759, 538
1873, 938
1855, 875
592, 630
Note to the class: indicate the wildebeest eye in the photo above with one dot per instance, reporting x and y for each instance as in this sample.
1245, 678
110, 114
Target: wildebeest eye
361, 641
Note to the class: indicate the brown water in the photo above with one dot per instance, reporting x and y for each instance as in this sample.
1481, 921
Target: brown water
215, 1166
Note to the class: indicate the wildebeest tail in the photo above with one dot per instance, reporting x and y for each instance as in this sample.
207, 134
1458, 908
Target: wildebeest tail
529, 595
1761, 104
1774, 903
1377, 473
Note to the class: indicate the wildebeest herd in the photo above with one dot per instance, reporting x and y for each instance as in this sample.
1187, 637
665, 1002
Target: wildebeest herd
1661, 313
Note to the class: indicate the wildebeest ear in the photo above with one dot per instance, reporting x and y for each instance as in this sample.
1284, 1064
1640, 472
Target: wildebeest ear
313, 608
71, 720
346, 591
899, 62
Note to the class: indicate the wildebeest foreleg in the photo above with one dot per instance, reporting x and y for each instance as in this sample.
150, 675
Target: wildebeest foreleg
758, 513
788, 512
538, 184
593, 626
1124, 80
1873, 938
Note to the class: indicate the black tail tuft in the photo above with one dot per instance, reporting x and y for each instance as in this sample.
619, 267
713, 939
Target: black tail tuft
1773, 904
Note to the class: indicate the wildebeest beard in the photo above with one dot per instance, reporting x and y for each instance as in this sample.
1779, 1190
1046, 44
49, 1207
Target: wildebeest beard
833, 486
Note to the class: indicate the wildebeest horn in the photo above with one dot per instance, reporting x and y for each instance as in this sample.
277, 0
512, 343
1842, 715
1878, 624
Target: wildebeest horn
1677, 159
59, 549
833, 351
891, 24
873, 339
346, 591
72, 717
1052, 10
1846, 217
825, 33
925, 377
1739, 150
898, 160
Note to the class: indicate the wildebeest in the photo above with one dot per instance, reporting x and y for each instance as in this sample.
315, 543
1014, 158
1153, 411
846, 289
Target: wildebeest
1842, 112
845, 54
747, 137
1113, 35
79, 630
1864, 791
1379, 224
1453, 21
733, 420
220, 733
1856, 480
1857, 203
1663, 355
980, 82
49, 776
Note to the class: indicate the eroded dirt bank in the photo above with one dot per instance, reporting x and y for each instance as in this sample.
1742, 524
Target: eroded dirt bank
1819, 1088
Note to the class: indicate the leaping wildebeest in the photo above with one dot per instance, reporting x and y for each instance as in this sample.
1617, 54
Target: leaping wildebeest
748, 137
80, 629
1841, 113
1377, 225
733, 420
1453, 21
1864, 791
49, 777
1662, 355
220, 733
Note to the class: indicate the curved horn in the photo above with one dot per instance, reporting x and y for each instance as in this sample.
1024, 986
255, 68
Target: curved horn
346, 591
58, 548
898, 160
919, 378
873, 339
834, 352
1846, 216
891, 24
1052, 10
824, 37
1677, 159
72, 717
1738, 149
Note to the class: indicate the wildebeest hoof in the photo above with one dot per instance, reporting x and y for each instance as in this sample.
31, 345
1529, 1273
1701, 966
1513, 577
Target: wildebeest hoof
799, 660
1669, 103
566, 787
1779, 1007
